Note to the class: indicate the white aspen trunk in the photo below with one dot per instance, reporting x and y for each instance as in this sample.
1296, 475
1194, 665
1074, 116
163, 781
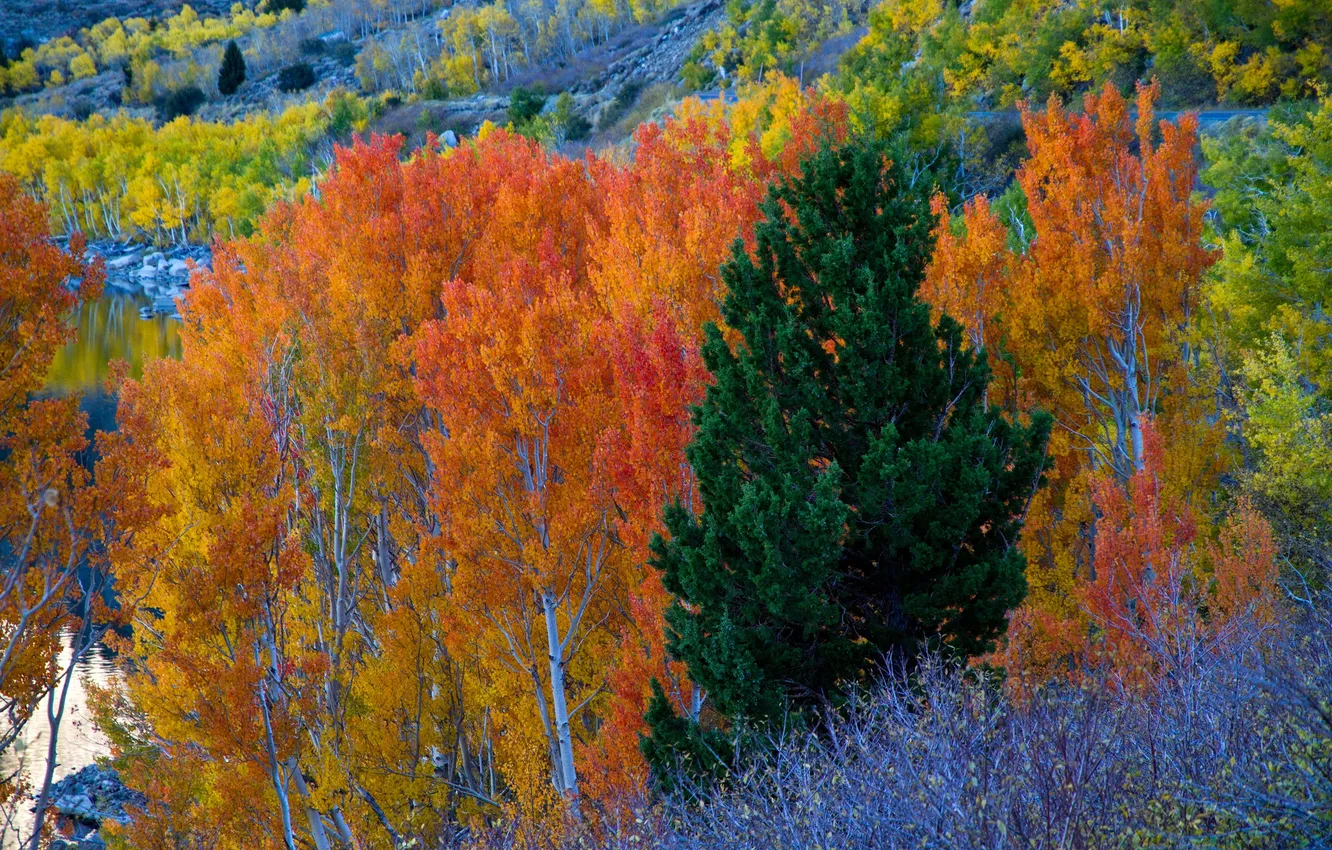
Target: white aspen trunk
274, 769
54, 716
1136, 411
1135, 439
552, 740
559, 700
344, 831
312, 815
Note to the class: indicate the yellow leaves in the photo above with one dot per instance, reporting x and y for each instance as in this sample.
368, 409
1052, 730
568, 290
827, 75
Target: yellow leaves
111, 41
450, 385
1118, 234
122, 173
81, 67
1284, 423
913, 15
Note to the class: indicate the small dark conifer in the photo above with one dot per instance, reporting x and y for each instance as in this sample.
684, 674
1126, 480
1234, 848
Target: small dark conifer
232, 73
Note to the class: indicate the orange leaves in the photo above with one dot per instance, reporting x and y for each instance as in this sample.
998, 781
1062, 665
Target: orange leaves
966, 274
52, 518
1088, 320
668, 219
1112, 207
1098, 303
1168, 590
33, 295
967, 278
400, 487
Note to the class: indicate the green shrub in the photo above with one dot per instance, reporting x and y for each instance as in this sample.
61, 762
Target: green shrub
524, 105
182, 101
296, 77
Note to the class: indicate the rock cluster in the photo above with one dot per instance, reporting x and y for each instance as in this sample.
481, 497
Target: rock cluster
660, 58
162, 276
86, 800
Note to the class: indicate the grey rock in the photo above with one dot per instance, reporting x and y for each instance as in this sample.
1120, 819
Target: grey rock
123, 262
450, 139
92, 796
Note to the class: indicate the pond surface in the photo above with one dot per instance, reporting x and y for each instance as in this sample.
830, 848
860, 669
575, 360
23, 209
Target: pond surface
80, 742
111, 328
118, 326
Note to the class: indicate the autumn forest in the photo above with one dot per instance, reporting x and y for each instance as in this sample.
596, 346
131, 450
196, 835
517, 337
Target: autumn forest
896, 425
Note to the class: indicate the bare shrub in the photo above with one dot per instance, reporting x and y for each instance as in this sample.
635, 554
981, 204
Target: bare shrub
1233, 751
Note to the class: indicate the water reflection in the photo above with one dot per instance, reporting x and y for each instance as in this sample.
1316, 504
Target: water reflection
110, 328
80, 742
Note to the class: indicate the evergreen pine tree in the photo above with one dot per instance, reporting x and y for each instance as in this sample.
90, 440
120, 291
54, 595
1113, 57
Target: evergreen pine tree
232, 73
859, 499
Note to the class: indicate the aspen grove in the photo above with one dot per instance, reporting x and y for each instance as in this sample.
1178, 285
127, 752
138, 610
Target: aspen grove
752, 484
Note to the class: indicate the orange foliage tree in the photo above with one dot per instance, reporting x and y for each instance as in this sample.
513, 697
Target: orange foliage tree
1088, 320
528, 537
294, 427
1099, 305
59, 521
389, 571
1170, 592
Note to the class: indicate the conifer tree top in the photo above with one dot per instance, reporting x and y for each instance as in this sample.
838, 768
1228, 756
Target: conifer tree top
231, 74
859, 498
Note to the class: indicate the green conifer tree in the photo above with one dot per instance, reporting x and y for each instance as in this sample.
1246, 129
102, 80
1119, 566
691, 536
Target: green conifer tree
859, 499
232, 72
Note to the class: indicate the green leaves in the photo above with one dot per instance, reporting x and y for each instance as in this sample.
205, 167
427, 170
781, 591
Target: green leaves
858, 497
232, 71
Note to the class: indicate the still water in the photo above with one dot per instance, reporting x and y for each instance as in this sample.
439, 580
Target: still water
80, 742
111, 328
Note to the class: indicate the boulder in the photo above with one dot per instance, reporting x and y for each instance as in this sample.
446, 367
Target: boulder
123, 262
178, 268
79, 806
93, 795
450, 139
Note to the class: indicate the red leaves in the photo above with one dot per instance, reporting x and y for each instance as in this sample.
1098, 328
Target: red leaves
53, 520
1170, 590
405, 474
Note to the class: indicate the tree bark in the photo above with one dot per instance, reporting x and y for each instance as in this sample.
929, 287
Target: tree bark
559, 700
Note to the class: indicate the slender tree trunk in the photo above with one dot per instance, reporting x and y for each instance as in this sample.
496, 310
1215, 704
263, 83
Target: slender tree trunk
54, 716
559, 699
552, 739
274, 769
312, 815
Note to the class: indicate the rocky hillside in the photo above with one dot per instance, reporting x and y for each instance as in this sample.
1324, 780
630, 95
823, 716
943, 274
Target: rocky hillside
612, 84
630, 74
38, 20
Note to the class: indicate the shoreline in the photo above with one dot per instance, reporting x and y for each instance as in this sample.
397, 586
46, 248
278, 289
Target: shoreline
138, 268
